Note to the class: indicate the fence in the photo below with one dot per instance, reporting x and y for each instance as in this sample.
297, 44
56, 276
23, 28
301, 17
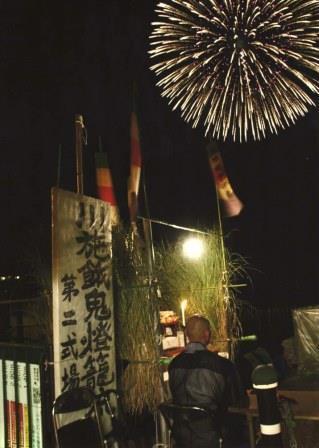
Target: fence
23, 412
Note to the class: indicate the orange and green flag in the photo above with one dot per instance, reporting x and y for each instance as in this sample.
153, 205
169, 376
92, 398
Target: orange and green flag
232, 206
135, 168
104, 183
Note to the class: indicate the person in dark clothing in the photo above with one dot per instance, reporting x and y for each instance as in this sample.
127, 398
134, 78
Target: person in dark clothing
198, 377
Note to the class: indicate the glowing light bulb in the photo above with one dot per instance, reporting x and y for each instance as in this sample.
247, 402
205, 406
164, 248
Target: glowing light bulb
193, 248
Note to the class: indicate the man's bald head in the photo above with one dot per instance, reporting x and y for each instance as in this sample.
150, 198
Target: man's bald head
198, 329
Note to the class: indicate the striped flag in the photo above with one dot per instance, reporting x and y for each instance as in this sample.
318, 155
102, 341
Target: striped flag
105, 184
231, 204
135, 170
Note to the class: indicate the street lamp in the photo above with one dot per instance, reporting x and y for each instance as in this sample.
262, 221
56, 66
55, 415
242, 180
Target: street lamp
193, 248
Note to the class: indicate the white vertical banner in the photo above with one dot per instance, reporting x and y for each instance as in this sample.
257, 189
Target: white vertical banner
83, 320
35, 406
23, 415
11, 416
2, 421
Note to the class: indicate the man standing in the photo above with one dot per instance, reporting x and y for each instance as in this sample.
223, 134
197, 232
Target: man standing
198, 377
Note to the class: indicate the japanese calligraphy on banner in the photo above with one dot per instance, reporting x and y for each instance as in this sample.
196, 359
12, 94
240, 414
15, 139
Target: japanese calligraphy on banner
83, 321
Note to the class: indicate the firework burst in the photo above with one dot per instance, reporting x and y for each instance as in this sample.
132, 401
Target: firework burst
240, 67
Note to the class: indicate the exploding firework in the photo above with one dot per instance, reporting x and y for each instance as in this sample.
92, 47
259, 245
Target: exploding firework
240, 67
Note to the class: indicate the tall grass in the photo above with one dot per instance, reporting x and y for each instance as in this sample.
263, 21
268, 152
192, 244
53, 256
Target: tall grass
203, 283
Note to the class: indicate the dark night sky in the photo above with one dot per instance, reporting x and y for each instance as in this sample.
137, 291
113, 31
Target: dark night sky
66, 57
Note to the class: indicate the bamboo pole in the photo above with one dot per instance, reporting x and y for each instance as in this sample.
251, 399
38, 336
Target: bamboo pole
58, 180
161, 428
225, 279
79, 126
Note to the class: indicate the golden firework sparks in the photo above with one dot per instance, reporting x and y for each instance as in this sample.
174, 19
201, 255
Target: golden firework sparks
239, 67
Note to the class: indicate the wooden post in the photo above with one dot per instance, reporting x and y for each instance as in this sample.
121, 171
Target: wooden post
162, 435
79, 126
58, 178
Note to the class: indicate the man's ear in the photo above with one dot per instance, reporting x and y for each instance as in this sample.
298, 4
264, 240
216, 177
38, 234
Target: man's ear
207, 335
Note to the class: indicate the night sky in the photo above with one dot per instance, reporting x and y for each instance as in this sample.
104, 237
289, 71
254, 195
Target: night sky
67, 57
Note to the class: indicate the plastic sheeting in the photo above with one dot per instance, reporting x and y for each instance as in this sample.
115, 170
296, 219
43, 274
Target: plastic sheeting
306, 322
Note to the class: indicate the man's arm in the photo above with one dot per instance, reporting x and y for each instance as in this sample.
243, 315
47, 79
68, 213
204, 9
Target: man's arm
236, 394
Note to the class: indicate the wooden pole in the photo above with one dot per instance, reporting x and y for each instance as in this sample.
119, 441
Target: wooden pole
147, 227
79, 126
225, 279
162, 435
211, 149
58, 180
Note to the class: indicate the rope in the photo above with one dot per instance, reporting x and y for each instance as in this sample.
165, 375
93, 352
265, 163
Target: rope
174, 226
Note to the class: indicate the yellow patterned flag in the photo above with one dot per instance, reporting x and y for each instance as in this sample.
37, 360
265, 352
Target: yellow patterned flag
232, 206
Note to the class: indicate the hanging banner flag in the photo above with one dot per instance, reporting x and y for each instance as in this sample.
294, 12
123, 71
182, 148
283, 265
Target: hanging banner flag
35, 406
135, 171
105, 184
231, 204
83, 319
11, 414
22, 405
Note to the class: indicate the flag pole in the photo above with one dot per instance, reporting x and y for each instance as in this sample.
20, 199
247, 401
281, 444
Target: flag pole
79, 126
147, 227
154, 292
224, 274
58, 180
100, 145
225, 271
